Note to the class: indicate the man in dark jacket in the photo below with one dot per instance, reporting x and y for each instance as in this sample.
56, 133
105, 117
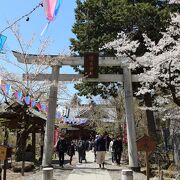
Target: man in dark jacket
81, 150
71, 151
101, 150
117, 148
61, 149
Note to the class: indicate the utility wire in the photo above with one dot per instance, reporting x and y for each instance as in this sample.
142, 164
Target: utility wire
26, 15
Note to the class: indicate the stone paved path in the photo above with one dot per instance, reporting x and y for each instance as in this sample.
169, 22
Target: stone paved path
89, 171
84, 171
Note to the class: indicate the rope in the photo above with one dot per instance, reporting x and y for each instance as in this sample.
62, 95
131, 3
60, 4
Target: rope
26, 15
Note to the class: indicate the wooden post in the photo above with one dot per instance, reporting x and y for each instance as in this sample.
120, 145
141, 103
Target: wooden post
161, 175
42, 143
131, 134
6, 136
147, 164
159, 169
49, 131
33, 143
23, 159
5, 168
0, 173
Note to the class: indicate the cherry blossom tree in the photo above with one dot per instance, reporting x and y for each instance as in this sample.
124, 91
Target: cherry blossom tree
37, 90
160, 63
160, 66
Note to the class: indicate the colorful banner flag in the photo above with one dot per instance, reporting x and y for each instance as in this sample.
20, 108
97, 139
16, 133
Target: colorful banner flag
51, 8
56, 135
27, 100
2, 41
38, 105
33, 103
74, 120
6, 89
58, 115
125, 134
43, 107
18, 96
46, 109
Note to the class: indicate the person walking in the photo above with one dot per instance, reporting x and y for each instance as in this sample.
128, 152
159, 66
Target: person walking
81, 150
94, 146
71, 151
61, 149
111, 150
117, 147
101, 150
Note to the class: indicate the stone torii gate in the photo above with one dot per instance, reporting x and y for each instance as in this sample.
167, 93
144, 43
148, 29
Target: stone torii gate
126, 78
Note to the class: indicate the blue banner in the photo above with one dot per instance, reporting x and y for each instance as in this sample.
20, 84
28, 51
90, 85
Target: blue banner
2, 41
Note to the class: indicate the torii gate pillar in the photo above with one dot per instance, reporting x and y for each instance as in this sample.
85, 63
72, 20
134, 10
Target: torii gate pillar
131, 134
48, 139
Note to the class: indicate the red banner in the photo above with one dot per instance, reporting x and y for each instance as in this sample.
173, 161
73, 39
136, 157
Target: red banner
125, 134
56, 135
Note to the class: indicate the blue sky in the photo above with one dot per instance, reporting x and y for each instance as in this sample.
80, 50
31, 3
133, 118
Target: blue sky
59, 30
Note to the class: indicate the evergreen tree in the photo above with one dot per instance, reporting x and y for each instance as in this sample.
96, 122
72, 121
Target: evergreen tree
99, 22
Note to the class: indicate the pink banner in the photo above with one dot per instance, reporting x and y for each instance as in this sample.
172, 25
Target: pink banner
56, 135
49, 8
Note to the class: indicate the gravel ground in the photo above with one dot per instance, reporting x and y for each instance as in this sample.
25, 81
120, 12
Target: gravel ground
37, 174
59, 174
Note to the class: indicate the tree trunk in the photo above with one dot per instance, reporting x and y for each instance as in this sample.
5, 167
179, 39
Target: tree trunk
21, 144
177, 149
151, 127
